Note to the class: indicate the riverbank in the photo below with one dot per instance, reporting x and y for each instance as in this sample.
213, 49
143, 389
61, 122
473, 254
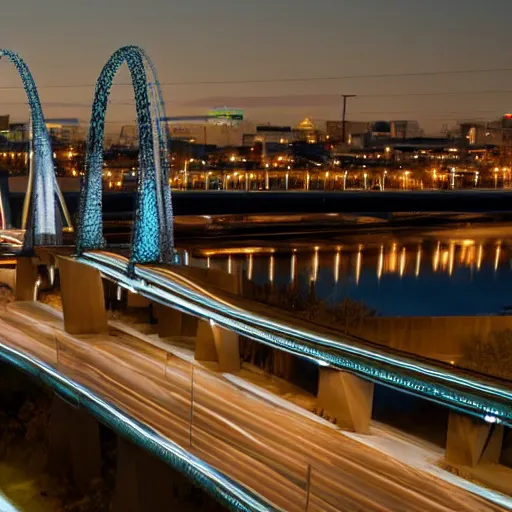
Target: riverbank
121, 204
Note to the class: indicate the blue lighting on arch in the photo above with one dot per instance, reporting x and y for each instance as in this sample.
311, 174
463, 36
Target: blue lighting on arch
43, 216
152, 238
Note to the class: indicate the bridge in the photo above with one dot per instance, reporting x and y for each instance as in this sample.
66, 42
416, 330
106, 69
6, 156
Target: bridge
180, 394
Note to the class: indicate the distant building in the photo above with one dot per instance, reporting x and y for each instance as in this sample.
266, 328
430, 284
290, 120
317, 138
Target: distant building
396, 129
494, 133
4, 126
65, 130
308, 132
334, 130
382, 133
18, 132
128, 136
207, 133
405, 129
269, 134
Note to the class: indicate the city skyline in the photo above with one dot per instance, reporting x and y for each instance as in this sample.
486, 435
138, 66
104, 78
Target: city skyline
222, 54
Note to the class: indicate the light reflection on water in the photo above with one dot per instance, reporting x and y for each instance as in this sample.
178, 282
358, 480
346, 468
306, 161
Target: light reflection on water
432, 277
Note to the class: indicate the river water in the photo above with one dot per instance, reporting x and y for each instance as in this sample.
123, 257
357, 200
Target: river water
465, 271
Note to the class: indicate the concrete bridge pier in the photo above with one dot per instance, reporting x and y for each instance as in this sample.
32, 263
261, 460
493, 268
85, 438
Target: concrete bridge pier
346, 397
213, 343
169, 321
83, 299
74, 444
143, 482
472, 441
172, 322
136, 301
26, 277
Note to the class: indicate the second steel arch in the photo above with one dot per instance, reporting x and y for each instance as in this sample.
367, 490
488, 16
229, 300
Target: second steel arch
152, 237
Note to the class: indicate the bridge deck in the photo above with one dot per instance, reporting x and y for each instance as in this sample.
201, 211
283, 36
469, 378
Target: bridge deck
296, 460
455, 388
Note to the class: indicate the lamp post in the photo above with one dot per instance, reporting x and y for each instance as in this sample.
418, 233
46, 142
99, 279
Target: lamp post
343, 116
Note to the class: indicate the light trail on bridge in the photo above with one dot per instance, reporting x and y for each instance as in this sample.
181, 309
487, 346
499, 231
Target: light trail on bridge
461, 391
293, 458
222, 488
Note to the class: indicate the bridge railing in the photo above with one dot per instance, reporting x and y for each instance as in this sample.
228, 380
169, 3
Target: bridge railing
487, 398
210, 310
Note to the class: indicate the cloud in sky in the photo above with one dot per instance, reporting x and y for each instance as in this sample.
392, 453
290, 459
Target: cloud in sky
281, 101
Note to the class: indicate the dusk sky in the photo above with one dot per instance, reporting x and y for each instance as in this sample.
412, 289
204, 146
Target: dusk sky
66, 43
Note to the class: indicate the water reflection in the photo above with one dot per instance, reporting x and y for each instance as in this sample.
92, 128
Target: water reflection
497, 258
380, 265
435, 263
396, 277
293, 268
359, 262
418, 262
451, 258
403, 261
337, 266
250, 267
480, 256
314, 276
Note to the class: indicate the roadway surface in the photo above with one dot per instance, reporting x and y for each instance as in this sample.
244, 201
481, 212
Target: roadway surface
296, 460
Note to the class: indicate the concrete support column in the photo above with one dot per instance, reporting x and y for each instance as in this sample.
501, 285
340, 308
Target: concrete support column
83, 300
227, 344
347, 397
8, 277
205, 342
137, 301
74, 444
189, 325
472, 440
169, 321
26, 277
172, 322
506, 452
213, 343
143, 483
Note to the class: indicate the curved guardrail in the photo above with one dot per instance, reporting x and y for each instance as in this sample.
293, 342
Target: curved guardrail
487, 398
226, 491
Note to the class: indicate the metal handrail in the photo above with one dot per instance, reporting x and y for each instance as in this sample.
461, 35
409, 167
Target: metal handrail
459, 390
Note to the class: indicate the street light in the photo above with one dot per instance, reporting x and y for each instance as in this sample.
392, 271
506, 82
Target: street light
343, 116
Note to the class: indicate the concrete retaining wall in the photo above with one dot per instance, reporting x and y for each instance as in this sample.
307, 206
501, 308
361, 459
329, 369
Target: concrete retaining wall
435, 337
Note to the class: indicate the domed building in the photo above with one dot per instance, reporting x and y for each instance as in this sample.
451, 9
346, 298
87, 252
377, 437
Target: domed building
307, 131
